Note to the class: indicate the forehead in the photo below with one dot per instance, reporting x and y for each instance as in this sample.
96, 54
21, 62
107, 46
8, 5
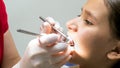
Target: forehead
96, 7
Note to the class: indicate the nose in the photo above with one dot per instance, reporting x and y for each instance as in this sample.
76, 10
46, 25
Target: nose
72, 25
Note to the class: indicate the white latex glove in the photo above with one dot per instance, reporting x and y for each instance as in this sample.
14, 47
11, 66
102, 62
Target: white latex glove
46, 27
45, 52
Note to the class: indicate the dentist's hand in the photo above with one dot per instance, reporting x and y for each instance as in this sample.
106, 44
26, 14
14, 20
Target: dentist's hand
45, 52
47, 27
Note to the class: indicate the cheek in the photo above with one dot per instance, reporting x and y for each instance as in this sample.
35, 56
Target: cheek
90, 43
86, 37
83, 42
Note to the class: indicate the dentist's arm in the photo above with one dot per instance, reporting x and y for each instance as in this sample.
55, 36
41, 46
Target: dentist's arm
10, 55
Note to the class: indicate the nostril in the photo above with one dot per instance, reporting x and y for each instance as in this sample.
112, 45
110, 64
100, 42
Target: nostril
69, 27
72, 27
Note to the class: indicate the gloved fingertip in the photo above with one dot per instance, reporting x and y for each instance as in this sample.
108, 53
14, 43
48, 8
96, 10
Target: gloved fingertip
49, 39
46, 24
46, 28
51, 20
58, 48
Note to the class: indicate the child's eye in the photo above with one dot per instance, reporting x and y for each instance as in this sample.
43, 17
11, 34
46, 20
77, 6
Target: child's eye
88, 22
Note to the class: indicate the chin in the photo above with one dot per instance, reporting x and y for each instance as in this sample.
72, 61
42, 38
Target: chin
74, 58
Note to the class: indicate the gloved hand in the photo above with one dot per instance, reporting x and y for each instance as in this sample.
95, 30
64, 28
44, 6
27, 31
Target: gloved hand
45, 51
46, 27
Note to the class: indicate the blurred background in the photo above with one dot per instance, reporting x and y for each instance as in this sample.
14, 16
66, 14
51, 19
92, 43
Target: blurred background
24, 14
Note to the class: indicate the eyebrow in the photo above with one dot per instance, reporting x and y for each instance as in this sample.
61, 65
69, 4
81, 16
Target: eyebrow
89, 13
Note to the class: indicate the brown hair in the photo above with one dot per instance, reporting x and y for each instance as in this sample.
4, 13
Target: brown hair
114, 19
114, 16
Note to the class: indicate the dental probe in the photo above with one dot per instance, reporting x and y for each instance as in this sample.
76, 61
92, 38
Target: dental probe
27, 32
45, 20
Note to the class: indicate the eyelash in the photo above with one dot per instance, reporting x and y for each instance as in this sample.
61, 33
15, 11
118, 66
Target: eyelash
87, 21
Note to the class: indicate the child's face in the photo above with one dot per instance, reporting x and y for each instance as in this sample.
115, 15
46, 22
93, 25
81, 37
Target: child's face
91, 34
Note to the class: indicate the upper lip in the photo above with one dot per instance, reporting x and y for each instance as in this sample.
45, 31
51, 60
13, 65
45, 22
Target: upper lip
71, 42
